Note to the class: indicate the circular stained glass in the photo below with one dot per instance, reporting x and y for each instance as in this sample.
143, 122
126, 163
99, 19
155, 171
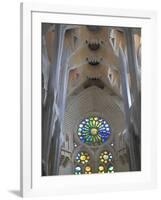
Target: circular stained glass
93, 131
78, 170
105, 157
88, 169
101, 169
82, 157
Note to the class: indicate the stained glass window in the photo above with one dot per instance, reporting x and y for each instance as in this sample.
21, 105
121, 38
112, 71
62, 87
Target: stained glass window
88, 169
83, 165
82, 157
105, 157
105, 160
101, 169
110, 168
78, 170
93, 131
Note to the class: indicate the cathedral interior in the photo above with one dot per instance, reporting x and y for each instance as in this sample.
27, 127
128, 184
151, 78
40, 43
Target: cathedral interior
91, 99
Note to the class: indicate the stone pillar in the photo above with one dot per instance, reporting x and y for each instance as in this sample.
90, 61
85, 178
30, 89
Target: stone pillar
60, 87
133, 113
50, 112
125, 88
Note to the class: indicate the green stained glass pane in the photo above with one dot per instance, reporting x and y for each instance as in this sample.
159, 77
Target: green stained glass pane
110, 168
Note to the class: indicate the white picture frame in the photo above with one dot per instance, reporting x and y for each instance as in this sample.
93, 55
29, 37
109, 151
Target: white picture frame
32, 183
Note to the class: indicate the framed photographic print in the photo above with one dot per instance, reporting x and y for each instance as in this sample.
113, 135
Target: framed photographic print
87, 93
